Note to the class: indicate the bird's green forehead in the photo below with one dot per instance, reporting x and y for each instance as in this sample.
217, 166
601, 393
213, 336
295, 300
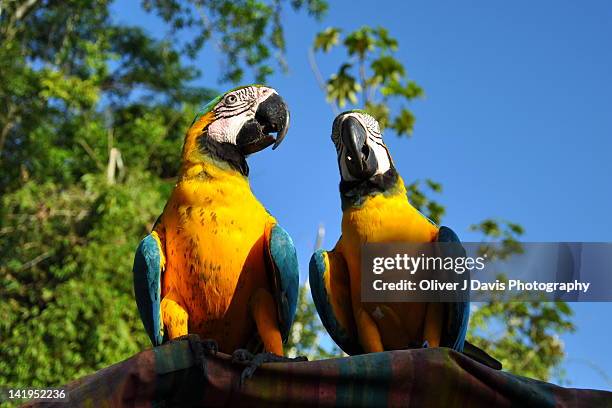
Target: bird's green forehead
362, 111
339, 118
211, 105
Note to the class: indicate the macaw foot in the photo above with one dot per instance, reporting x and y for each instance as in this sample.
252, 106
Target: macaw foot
242, 356
253, 361
207, 347
200, 349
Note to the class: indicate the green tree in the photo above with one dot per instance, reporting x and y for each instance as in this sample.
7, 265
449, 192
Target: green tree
248, 33
524, 336
371, 76
66, 287
92, 115
308, 331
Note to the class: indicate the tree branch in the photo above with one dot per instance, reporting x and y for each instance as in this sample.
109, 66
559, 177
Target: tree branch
10, 123
314, 67
91, 154
37, 260
364, 82
20, 13
24, 9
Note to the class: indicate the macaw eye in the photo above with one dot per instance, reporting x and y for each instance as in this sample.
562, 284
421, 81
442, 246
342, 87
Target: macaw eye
231, 99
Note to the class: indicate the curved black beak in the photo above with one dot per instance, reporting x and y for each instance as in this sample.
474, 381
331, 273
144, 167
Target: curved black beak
272, 116
360, 160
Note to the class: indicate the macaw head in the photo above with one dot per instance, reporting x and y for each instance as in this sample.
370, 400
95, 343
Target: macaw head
237, 123
362, 154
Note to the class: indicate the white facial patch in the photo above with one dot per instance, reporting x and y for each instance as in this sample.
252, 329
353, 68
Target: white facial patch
374, 141
344, 172
234, 110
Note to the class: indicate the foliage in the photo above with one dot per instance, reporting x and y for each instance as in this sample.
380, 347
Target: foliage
372, 71
77, 85
419, 199
67, 292
524, 336
505, 232
78, 91
247, 32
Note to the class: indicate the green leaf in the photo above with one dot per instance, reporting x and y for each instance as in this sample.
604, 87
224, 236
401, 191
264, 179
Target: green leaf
387, 68
434, 186
360, 42
409, 91
384, 41
373, 70
327, 39
343, 87
418, 197
380, 111
403, 123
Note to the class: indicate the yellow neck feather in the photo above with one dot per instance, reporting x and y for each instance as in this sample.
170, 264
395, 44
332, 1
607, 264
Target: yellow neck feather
395, 194
191, 153
209, 169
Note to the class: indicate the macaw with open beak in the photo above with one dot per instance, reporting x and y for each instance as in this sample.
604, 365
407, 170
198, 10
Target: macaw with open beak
217, 264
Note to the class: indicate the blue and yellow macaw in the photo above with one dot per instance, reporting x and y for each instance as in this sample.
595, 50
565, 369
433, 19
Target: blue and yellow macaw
217, 264
376, 209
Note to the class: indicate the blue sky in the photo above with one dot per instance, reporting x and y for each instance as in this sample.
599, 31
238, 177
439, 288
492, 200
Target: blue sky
516, 124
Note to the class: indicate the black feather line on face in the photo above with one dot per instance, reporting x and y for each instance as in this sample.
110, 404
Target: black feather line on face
352, 193
224, 151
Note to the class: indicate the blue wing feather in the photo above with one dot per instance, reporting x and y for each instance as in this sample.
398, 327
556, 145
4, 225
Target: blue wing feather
287, 277
147, 286
458, 312
347, 342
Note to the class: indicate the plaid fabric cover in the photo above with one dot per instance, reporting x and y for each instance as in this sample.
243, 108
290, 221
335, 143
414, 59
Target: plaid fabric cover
170, 376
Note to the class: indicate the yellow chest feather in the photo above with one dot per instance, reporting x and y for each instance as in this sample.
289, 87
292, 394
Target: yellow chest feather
387, 219
382, 219
214, 244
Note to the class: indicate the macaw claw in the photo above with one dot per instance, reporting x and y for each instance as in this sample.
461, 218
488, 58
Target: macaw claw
207, 347
242, 356
200, 349
254, 361
210, 346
